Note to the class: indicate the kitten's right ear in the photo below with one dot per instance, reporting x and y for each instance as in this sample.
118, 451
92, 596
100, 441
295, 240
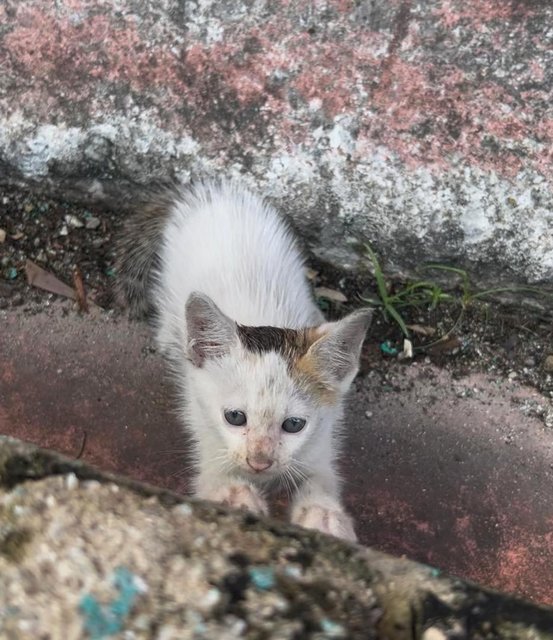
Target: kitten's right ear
336, 353
210, 333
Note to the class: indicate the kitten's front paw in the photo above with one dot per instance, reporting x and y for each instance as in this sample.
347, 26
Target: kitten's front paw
239, 496
331, 520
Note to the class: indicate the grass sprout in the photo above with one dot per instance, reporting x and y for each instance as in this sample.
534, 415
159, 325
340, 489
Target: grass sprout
428, 295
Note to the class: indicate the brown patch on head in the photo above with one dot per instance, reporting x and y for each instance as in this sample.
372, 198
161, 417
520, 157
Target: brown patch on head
290, 343
293, 345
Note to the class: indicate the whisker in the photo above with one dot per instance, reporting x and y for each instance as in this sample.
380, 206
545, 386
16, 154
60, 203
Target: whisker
286, 483
300, 463
294, 481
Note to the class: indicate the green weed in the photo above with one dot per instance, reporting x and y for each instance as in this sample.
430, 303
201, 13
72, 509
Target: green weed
428, 295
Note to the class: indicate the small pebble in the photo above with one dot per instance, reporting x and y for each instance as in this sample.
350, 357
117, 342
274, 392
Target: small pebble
50, 501
183, 510
64, 231
332, 629
293, 571
262, 577
92, 485
211, 599
433, 633
368, 414
238, 628
71, 481
92, 223
548, 364
17, 299
142, 622
512, 375
73, 221
2, 235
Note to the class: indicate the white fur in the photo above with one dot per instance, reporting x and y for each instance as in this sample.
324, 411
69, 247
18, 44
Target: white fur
228, 244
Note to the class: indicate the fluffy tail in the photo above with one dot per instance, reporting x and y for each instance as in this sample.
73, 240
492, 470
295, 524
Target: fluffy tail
138, 248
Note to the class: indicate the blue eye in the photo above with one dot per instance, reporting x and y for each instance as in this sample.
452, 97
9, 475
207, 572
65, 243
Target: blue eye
235, 418
293, 425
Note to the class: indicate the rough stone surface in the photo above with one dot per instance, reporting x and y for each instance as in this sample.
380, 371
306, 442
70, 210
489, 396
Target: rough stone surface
84, 555
423, 127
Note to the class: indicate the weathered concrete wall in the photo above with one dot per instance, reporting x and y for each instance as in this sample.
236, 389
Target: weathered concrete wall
87, 555
424, 127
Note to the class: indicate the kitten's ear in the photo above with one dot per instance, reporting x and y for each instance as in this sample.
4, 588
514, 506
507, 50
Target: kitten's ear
337, 351
210, 333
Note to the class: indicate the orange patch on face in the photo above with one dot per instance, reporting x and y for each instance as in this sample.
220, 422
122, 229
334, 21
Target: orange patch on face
307, 372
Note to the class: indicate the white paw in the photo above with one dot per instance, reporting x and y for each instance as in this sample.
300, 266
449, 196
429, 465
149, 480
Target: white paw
238, 496
333, 521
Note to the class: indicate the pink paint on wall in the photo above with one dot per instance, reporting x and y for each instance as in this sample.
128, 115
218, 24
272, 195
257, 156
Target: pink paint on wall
425, 109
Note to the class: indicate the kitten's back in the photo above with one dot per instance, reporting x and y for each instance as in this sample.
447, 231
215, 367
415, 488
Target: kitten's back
222, 240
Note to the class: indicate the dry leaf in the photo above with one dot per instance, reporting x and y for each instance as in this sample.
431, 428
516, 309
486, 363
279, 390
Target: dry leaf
311, 274
2, 236
330, 294
422, 330
38, 277
17, 235
446, 346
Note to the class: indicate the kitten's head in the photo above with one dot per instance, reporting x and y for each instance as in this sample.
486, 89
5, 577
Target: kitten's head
269, 391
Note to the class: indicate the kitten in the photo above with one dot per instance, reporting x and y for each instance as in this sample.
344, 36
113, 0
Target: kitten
261, 376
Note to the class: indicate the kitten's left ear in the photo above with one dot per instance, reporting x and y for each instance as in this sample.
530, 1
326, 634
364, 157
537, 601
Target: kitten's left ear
210, 333
337, 351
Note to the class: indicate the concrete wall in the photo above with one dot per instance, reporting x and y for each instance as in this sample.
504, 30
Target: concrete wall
424, 127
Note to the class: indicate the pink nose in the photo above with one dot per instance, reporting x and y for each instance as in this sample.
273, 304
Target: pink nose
259, 464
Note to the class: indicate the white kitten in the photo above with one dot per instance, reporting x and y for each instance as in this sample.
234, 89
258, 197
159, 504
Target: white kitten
261, 375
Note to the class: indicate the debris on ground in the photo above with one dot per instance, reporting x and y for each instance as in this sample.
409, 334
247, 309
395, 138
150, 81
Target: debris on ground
56, 236
422, 330
330, 294
487, 338
387, 348
42, 279
548, 364
79, 290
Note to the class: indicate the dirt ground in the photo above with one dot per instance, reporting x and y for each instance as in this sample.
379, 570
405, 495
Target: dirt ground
450, 454
59, 236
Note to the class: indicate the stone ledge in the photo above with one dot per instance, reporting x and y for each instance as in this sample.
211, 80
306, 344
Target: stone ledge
87, 554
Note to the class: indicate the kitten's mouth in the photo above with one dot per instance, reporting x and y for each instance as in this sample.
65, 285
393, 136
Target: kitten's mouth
268, 472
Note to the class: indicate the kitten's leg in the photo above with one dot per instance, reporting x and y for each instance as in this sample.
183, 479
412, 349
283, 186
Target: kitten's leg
232, 492
317, 506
